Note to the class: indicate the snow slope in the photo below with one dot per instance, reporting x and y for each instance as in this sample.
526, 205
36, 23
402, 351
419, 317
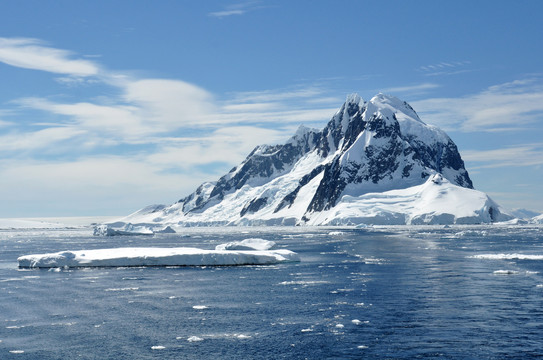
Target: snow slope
374, 162
538, 219
437, 201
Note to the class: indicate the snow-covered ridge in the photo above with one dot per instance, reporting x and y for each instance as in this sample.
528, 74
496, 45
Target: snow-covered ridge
374, 162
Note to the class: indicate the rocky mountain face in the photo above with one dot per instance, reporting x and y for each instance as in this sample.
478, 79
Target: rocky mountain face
369, 147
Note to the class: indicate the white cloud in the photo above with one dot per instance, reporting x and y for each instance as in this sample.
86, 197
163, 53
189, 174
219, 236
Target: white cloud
5, 123
509, 106
144, 107
309, 92
32, 54
169, 134
512, 156
113, 185
445, 68
225, 13
236, 9
37, 140
121, 122
229, 145
170, 104
410, 89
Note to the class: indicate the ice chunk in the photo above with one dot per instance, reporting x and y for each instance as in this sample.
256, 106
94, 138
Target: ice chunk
121, 228
247, 244
166, 230
194, 339
506, 272
127, 229
507, 256
182, 256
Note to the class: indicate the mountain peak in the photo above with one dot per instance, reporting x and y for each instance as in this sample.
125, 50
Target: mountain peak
354, 98
373, 162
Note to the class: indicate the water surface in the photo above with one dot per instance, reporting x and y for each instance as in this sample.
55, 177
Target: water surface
399, 292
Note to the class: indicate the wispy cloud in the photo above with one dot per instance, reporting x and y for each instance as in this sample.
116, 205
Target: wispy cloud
100, 182
419, 88
445, 68
166, 134
40, 139
510, 106
511, 156
224, 13
34, 54
236, 9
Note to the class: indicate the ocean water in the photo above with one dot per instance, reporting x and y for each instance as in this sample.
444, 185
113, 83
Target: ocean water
384, 293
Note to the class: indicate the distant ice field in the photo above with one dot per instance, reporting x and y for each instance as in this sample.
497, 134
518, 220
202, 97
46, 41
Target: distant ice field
385, 292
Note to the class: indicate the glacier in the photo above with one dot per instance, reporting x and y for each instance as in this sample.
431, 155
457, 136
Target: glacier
375, 162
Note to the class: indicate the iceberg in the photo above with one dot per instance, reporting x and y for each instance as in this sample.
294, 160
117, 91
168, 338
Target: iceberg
149, 256
247, 244
130, 229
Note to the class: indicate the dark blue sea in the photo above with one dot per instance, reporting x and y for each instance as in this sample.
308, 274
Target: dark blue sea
374, 293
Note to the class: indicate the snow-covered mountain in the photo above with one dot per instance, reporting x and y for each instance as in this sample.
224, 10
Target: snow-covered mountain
375, 162
537, 219
524, 213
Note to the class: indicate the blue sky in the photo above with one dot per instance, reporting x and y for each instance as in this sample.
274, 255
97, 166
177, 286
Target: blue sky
108, 106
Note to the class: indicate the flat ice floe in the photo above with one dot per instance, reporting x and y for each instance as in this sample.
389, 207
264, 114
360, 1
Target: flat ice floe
507, 257
247, 244
506, 272
182, 256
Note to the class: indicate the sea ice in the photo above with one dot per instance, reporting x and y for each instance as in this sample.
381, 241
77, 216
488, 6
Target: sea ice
182, 256
194, 339
247, 244
507, 257
505, 272
130, 229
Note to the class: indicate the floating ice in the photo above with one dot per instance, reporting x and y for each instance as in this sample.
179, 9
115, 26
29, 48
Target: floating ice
130, 229
505, 272
199, 307
158, 347
507, 257
302, 282
194, 339
247, 244
156, 257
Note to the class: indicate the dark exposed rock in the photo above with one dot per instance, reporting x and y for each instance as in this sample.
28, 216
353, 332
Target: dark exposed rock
363, 143
254, 206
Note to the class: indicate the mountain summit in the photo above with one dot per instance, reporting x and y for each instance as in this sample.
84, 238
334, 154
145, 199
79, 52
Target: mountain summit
375, 162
